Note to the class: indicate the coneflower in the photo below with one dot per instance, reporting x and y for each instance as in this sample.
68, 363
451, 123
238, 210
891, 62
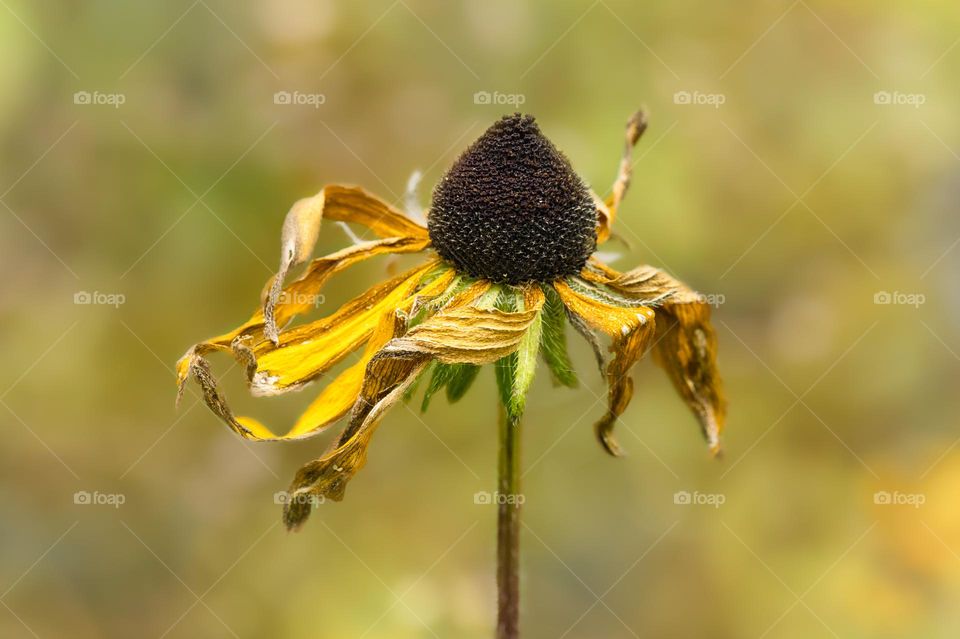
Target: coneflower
510, 241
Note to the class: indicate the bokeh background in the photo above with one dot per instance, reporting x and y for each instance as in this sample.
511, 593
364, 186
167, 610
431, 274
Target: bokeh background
802, 166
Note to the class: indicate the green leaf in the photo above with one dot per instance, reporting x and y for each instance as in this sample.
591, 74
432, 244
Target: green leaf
461, 381
412, 390
554, 340
442, 374
495, 297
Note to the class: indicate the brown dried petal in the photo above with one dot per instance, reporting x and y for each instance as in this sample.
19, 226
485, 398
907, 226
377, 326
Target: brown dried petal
631, 329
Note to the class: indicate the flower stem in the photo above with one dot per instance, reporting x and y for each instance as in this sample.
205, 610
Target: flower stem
508, 527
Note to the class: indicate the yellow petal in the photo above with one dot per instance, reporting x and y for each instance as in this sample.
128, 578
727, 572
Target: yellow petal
302, 227
685, 342
469, 335
630, 330
356, 323
645, 283
300, 295
308, 351
339, 396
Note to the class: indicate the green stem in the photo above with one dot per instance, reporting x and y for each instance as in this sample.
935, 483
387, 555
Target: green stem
508, 527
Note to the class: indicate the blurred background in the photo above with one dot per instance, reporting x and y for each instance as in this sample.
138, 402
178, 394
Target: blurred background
802, 167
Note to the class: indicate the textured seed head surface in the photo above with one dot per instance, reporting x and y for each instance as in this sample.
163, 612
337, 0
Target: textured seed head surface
511, 209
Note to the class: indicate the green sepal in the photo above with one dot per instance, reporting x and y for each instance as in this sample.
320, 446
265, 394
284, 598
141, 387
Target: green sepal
515, 371
442, 373
412, 390
554, 340
505, 370
526, 364
461, 381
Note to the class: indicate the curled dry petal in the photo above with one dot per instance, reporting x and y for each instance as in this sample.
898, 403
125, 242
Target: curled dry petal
301, 294
687, 351
607, 210
310, 350
460, 333
630, 329
302, 227
685, 343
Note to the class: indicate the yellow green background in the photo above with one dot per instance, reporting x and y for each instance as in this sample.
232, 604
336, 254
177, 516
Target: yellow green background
797, 202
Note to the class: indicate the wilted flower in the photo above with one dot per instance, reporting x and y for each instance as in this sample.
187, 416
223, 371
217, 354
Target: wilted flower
509, 242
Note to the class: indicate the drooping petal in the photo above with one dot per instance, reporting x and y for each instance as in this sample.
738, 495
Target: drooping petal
630, 329
459, 333
687, 351
302, 227
308, 351
607, 210
313, 350
685, 343
300, 295
468, 335
643, 283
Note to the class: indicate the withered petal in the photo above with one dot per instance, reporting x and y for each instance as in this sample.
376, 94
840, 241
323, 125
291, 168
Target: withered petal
308, 351
685, 343
459, 333
301, 228
630, 329
361, 321
607, 210
300, 295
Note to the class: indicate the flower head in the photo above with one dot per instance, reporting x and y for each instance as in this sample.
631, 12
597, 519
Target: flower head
509, 262
511, 208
